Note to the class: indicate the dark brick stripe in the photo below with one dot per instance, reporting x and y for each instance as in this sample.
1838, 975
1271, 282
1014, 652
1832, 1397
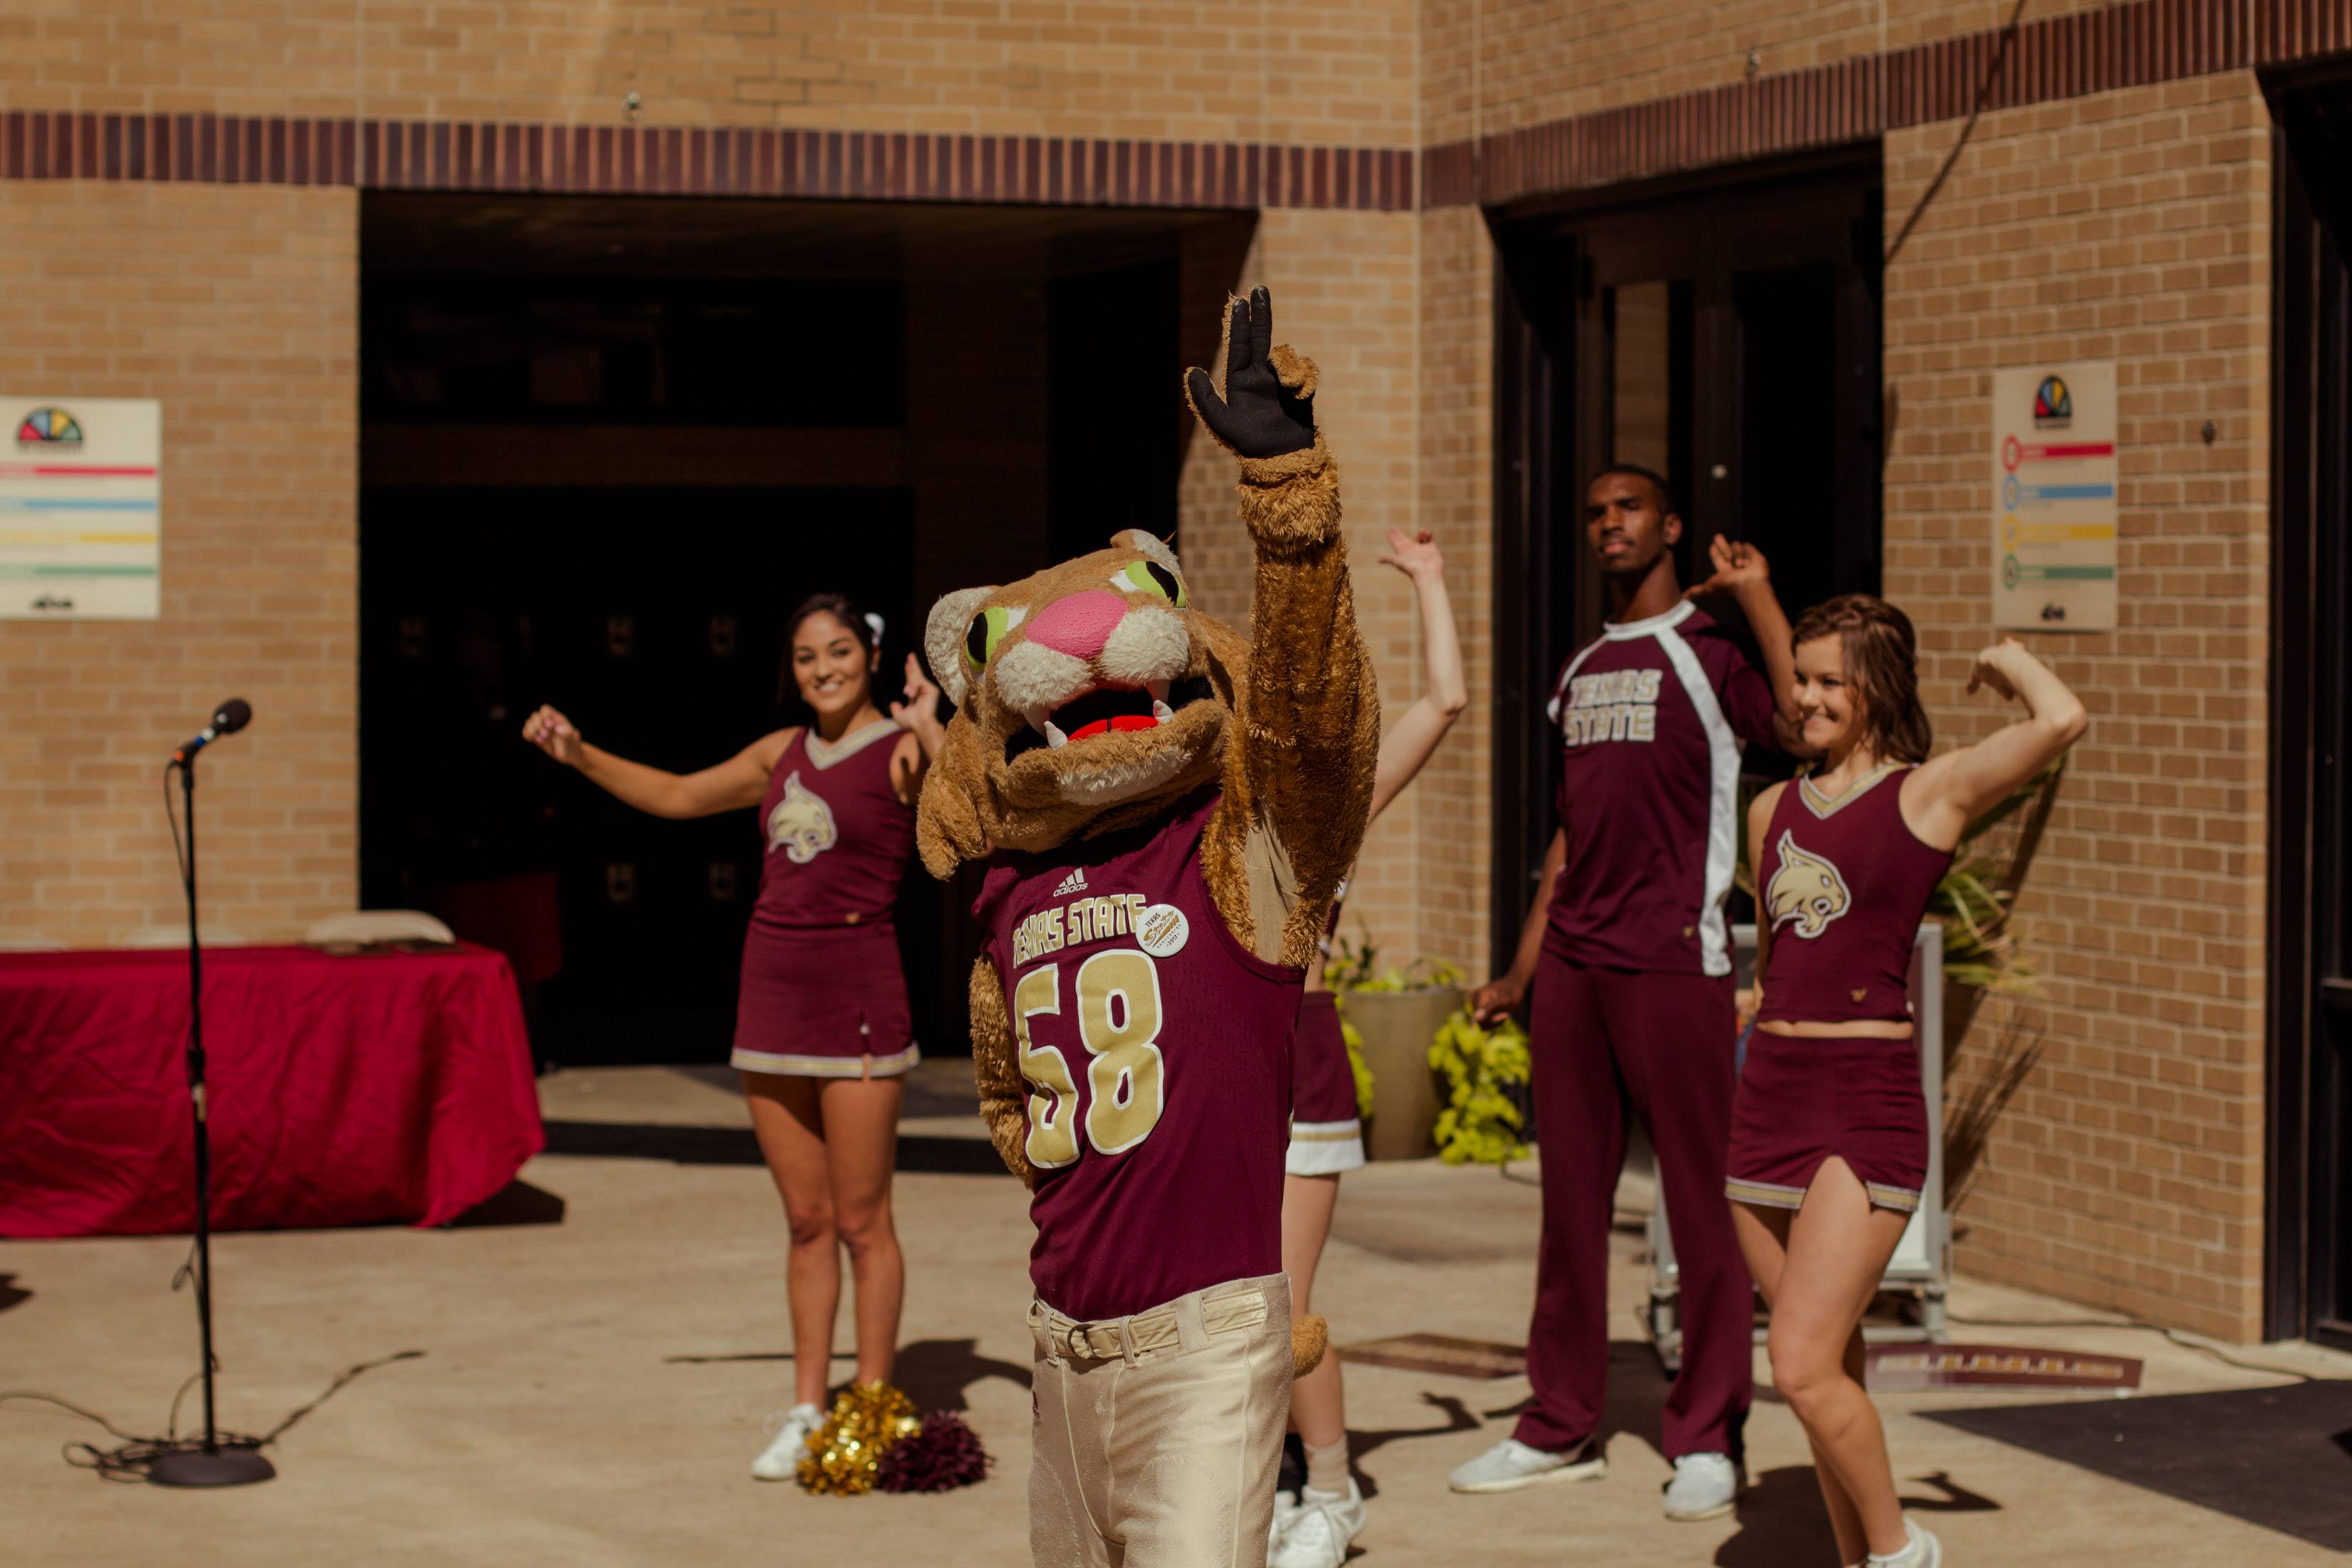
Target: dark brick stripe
388, 154
2056, 58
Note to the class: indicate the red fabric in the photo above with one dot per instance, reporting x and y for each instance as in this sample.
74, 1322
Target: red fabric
342, 1091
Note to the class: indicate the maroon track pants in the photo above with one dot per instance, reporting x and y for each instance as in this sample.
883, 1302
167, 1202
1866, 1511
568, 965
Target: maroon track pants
1600, 1039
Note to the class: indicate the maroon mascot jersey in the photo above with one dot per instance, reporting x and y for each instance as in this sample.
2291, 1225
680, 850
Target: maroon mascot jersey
1653, 714
1157, 1053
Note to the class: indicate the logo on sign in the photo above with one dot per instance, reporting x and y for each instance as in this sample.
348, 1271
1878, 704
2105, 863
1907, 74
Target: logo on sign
51, 428
2054, 405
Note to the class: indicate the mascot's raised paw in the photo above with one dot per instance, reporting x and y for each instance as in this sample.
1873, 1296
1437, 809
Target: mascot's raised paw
1263, 406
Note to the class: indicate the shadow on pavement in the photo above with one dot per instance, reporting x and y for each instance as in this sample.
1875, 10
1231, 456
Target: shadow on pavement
737, 1146
517, 1203
934, 1374
11, 1293
1782, 1520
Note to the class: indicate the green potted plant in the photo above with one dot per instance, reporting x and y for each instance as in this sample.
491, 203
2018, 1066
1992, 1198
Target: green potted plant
1388, 1018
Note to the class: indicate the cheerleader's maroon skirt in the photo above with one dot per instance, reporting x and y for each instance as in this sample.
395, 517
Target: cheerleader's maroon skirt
823, 1002
1801, 1099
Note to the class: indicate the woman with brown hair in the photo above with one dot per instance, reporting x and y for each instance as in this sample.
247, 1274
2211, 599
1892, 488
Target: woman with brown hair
822, 1036
1829, 1140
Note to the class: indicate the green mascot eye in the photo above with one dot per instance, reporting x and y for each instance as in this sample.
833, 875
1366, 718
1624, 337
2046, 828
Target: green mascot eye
988, 630
1150, 577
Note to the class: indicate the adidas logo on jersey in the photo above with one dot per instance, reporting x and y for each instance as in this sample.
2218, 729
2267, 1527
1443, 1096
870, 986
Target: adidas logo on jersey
1076, 882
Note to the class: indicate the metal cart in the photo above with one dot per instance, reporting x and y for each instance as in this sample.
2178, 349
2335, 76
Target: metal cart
1921, 1267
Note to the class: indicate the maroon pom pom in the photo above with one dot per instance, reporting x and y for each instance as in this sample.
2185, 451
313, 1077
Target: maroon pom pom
944, 1455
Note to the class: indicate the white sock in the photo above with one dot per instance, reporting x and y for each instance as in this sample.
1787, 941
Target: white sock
1909, 1555
1327, 1468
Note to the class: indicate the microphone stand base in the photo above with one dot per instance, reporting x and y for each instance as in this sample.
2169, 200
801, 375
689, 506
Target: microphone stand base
228, 1466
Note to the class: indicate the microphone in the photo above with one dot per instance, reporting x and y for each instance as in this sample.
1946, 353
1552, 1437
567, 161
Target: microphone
227, 719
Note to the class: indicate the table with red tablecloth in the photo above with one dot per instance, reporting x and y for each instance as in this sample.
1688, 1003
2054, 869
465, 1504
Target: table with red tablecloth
345, 1089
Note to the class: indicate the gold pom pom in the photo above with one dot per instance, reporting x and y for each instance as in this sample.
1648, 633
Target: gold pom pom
846, 1453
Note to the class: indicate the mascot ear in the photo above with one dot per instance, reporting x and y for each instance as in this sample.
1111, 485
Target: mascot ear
947, 821
1150, 548
943, 636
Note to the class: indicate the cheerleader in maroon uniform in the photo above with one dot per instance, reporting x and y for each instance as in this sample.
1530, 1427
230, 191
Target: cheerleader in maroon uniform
1312, 1528
821, 1030
1829, 1140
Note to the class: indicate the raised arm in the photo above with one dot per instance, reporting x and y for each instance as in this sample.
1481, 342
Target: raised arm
918, 716
1300, 767
1412, 739
1741, 571
1950, 791
740, 781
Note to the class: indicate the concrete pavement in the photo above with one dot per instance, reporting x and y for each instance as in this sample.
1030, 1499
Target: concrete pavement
591, 1391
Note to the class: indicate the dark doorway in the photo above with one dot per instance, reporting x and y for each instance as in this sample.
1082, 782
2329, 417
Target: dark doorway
2310, 1067
607, 444
1726, 337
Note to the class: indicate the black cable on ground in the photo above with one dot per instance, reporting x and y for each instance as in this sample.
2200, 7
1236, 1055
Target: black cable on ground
1984, 95
128, 1461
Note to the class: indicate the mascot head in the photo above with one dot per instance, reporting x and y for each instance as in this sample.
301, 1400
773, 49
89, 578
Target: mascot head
1088, 697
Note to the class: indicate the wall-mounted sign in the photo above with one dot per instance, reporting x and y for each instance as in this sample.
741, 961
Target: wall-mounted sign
2054, 498
81, 513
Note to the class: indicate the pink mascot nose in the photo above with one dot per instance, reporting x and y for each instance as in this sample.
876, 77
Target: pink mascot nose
1079, 624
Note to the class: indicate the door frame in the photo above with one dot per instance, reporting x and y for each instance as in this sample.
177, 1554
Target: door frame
1552, 420
2302, 1219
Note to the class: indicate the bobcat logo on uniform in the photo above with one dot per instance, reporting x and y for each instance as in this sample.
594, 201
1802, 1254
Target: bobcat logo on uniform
1807, 889
802, 824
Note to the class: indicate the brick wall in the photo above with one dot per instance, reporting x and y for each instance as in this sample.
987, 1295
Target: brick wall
1308, 70
244, 325
1497, 65
2134, 227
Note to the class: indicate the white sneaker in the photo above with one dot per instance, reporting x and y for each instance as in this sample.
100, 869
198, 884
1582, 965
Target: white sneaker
1284, 1505
1319, 1530
1704, 1486
1511, 1464
781, 1460
1924, 1551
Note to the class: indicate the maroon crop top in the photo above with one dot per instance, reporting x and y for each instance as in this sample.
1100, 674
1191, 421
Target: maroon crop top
1844, 884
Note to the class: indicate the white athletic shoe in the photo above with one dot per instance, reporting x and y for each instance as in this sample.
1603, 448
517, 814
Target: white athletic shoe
781, 1460
1924, 1551
1284, 1505
1511, 1464
1319, 1530
1705, 1486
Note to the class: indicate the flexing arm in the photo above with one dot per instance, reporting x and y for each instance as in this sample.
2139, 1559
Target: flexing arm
1413, 739
1949, 792
1498, 997
918, 748
1300, 772
1741, 571
740, 781
996, 1069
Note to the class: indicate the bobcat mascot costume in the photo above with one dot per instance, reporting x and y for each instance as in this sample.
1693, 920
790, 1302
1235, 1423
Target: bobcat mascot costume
1166, 811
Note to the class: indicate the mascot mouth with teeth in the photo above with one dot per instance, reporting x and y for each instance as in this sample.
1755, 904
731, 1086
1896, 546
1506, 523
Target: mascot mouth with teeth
1166, 811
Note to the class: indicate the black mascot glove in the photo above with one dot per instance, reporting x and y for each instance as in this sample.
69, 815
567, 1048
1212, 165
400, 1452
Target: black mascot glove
1268, 406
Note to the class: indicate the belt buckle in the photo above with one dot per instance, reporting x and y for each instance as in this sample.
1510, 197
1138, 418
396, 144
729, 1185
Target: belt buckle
1081, 1343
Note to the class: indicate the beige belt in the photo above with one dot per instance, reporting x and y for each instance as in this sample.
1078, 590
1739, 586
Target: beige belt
1160, 1329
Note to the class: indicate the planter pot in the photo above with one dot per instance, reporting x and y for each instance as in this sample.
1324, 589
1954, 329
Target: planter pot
1397, 1027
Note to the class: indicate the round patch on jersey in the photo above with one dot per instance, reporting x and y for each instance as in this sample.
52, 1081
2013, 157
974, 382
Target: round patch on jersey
1162, 931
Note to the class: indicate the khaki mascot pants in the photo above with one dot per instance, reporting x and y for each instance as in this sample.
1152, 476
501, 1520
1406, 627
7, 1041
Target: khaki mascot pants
1158, 1437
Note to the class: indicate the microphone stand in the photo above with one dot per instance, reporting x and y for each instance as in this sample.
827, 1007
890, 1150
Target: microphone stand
214, 1464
